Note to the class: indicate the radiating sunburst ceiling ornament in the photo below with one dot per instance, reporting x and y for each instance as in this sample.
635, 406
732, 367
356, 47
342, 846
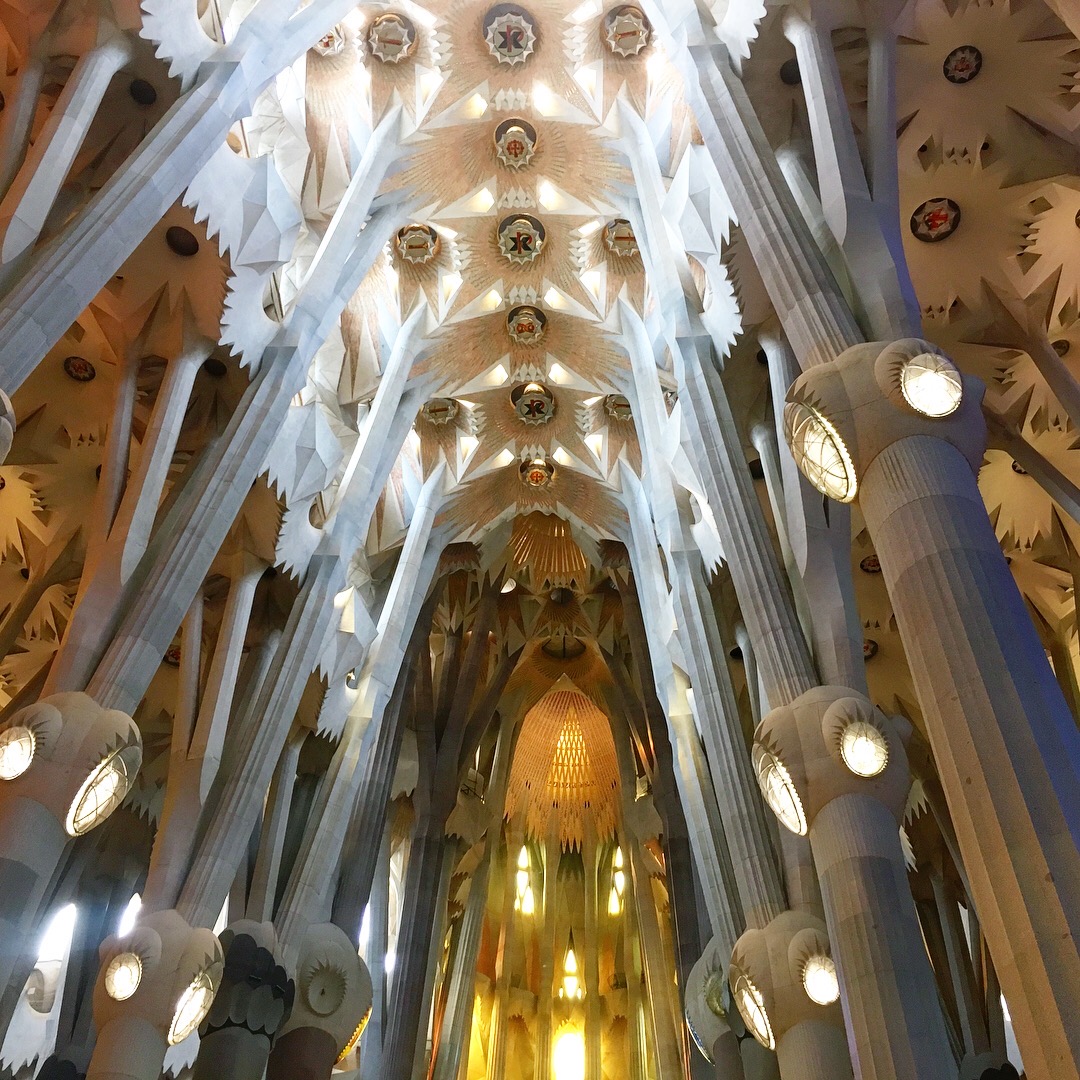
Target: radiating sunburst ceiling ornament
545, 545
521, 238
392, 37
439, 411
418, 244
515, 142
331, 43
537, 473
510, 33
620, 239
525, 324
934, 220
565, 765
626, 30
533, 402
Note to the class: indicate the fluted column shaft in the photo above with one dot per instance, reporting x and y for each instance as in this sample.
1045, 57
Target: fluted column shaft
891, 1009
378, 918
1006, 747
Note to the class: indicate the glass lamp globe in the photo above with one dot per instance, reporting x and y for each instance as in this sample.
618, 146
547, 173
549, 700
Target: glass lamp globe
820, 981
17, 745
819, 452
123, 975
193, 1005
931, 385
864, 749
751, 1006
103, 790
779, 790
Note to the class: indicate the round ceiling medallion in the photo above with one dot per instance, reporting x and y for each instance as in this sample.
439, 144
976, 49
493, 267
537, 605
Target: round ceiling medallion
870, 564
515, 142
869, 648
142, 92
626, 30
525, 324
418, 244
1061, 346
510, 33
962, 64
439, 411
79, 368
618, 407
934, 220
537, 473
620, 239
533, 402
521, 238
331, 43
392, 38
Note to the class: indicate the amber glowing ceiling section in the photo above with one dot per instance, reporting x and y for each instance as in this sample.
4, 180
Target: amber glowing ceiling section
565, 767
544, 544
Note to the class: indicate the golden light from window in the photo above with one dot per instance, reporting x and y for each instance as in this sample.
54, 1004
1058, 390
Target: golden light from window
931, 385
571, 989
568, 1057
864, 749
751, 1006
194, 1003
820, 981
819, 452
618, 883
17, 745
103, 790
524, 901
123, 975
779, 790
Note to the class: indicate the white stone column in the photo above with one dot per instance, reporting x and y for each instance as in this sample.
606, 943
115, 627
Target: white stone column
28, 201
378, 920
1006, 747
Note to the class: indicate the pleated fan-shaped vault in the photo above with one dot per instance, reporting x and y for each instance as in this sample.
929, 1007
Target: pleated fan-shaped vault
565, 765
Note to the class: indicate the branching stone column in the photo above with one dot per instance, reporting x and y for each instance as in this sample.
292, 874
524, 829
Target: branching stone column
154, 988
896, 427
67, 764
835, 767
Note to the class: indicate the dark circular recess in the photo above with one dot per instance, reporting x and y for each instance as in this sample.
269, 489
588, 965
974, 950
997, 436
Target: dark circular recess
735, 652
142, 92
1077, 219
762, 357
269, 573
1062, 346
214, 368
869, 648
181, 241
757, 470
935, 220
962, 64
3, 101
1019, 469
3, 483
562, 595
97, 472
25, 571
790, 75
79, 368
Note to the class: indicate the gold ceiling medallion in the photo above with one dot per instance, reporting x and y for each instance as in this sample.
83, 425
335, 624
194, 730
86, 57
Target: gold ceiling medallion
525, 325
515, 142
392, 38
620, 239
618, 407
79, 368
510, 33
439, 411
418, 244
332, 43
533, 402
537, 473
626, 30
935, 220
521, 238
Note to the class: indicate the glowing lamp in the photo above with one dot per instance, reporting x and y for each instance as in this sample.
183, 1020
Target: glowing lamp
820, 980
751, 1006
819, 452
779, 790
568, 1057
931, 385
103, 790
864, 749
191, 1007
17, 745
123, 975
